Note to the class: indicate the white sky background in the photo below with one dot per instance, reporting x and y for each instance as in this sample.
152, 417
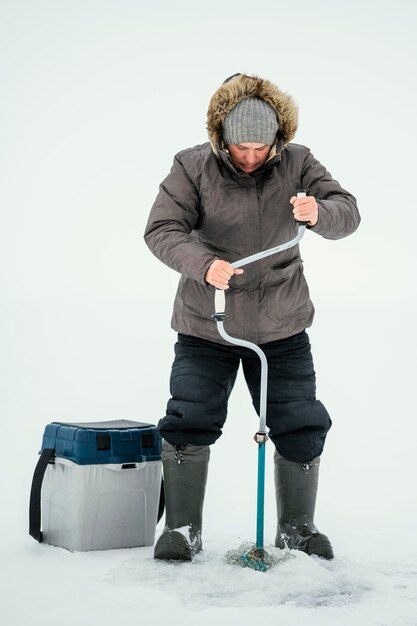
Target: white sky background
96, 98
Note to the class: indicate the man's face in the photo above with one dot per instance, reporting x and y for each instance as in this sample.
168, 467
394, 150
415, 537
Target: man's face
248, 156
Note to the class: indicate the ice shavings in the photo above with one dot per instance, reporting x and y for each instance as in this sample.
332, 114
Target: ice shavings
208, 581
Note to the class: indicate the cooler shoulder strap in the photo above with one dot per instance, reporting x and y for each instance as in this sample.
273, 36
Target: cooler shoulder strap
47, 456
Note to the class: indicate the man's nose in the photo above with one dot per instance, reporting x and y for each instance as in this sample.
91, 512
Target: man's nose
250, 156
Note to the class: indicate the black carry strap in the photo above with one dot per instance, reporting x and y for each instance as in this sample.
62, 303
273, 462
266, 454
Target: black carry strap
161, 502
47, 456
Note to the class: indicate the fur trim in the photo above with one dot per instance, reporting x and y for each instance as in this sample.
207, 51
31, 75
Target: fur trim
241, 87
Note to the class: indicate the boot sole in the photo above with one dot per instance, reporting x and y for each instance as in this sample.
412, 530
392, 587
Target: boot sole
172, 546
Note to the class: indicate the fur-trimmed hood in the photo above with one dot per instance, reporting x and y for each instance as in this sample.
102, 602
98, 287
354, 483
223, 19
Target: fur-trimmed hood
240, 87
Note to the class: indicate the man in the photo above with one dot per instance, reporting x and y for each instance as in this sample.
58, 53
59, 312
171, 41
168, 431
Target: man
222, 201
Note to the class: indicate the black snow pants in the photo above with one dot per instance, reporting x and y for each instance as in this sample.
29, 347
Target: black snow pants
202, 378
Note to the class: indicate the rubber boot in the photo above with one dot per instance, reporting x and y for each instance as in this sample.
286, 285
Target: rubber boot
185, 477
296, 489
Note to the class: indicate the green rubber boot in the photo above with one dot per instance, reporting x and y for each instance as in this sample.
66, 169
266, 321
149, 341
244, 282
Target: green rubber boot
296, 489
185, 477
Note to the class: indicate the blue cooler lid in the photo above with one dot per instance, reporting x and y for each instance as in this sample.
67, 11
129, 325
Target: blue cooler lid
113, 441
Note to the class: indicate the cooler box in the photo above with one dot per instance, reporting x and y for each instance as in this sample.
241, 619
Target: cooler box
99, 487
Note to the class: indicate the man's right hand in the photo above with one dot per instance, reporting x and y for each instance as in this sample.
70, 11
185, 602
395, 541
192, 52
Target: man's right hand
219, 273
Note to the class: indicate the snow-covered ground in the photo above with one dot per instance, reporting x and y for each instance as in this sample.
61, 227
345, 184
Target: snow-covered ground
40, 582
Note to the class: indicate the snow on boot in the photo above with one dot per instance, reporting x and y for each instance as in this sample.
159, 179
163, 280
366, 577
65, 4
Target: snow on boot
296, 489
185, 477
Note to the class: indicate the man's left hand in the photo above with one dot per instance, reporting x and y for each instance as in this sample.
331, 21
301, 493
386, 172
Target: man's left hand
305, 209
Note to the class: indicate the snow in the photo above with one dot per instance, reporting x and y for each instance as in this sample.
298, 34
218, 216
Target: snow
129, 586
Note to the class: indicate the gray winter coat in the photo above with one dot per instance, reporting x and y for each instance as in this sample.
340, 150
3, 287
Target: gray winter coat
207, 210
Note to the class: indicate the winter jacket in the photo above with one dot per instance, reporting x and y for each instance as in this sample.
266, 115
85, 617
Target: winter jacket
206, 210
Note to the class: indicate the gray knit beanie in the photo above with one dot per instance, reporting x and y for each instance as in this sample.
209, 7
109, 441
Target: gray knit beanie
251, 120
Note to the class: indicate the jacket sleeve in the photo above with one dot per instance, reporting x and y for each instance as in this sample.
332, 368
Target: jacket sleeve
338, 212
174, 215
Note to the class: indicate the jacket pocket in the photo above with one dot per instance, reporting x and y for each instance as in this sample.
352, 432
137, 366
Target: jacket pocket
287, 292
197, 300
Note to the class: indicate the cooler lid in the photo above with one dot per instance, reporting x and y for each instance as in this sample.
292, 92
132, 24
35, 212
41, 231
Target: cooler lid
113, 424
